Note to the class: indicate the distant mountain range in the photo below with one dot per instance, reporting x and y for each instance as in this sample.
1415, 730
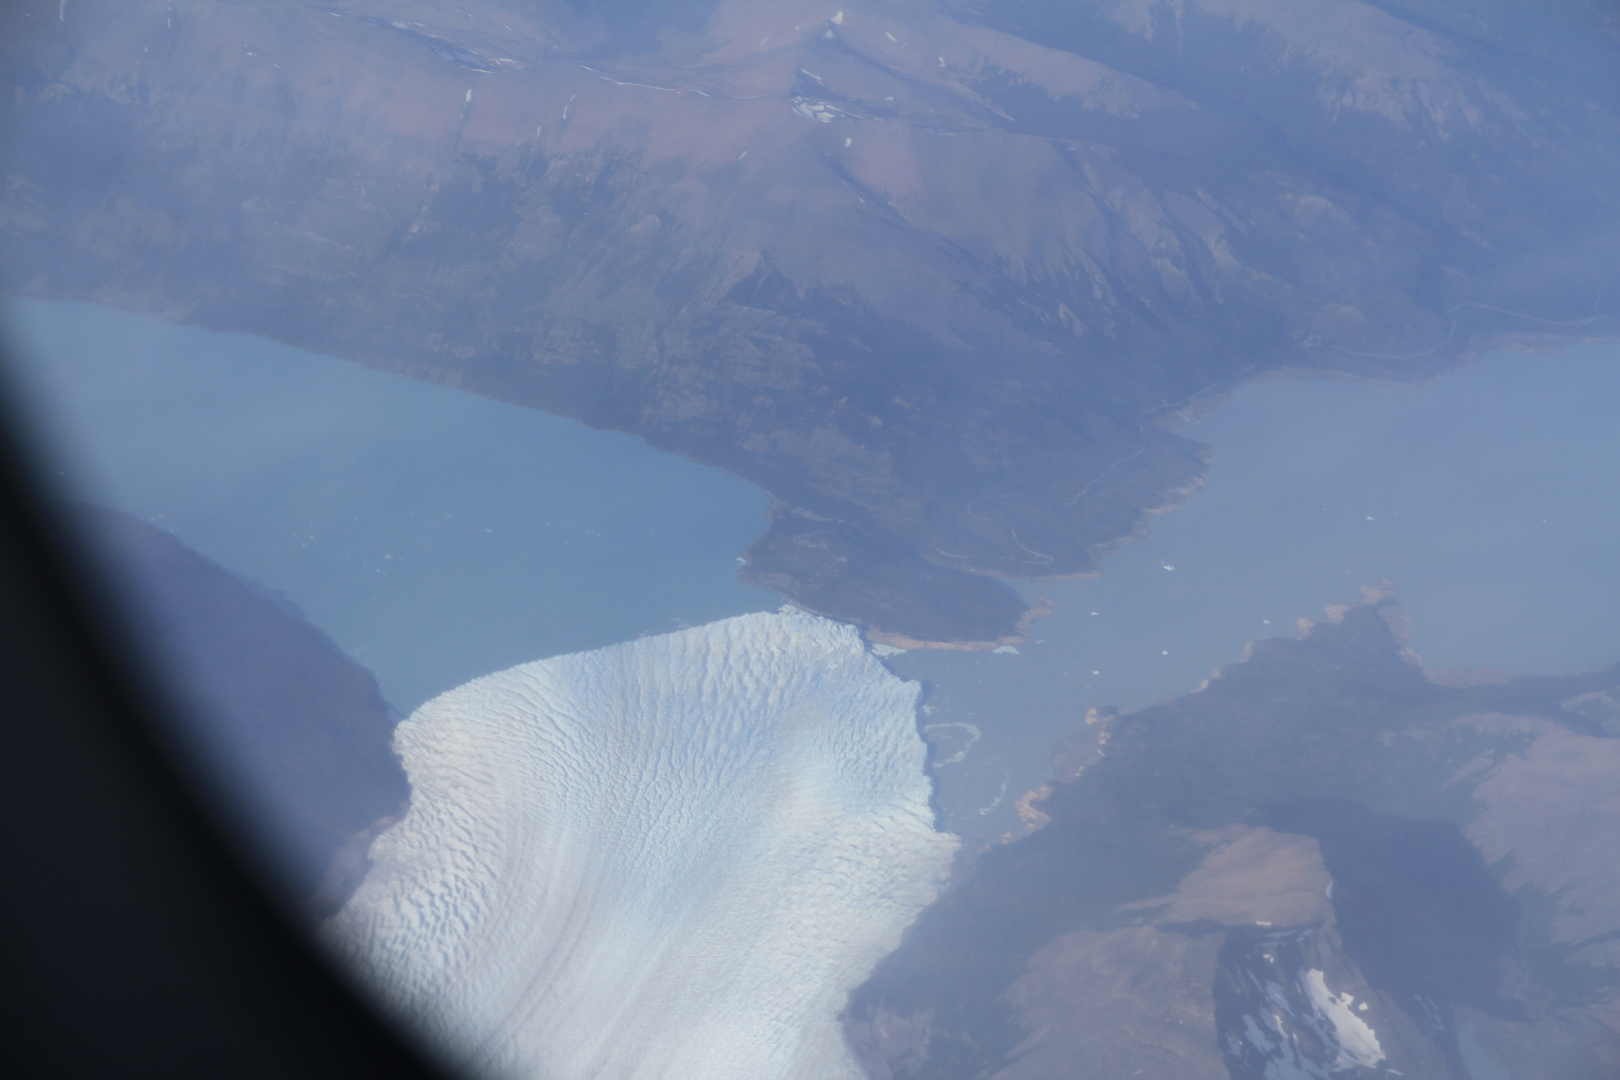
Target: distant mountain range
941, 276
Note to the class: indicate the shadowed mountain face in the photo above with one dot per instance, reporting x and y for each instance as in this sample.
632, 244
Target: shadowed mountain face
1321, 864
937, 275
292, 737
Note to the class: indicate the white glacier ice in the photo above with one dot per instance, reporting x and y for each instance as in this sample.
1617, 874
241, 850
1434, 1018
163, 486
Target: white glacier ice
666, 859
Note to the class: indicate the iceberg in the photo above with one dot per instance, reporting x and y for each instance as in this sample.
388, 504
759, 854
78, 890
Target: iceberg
671, 858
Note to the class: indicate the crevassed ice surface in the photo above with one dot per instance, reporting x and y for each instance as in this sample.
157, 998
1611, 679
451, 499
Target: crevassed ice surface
668, 858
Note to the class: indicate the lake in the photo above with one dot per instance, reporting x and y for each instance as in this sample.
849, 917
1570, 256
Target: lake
1489, 500
438, 536
435, 535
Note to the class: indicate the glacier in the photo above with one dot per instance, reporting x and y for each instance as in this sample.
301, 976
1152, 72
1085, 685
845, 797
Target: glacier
671, 858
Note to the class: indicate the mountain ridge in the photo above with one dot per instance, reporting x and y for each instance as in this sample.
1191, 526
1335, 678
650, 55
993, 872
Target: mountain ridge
940, 277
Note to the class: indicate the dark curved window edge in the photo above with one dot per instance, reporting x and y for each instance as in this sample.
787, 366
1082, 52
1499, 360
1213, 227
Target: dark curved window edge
136, 940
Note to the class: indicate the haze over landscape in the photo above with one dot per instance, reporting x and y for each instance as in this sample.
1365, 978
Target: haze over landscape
438, 535
1128, 206
511, 363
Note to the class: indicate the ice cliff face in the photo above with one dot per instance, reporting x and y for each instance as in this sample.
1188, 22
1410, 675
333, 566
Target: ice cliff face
669, 858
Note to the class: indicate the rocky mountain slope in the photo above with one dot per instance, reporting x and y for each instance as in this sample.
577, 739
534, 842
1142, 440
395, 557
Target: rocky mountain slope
1323, 864
939, 274
287, 735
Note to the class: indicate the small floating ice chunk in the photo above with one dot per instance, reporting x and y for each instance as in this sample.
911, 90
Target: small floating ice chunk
1005, 649
971, 736
838, 19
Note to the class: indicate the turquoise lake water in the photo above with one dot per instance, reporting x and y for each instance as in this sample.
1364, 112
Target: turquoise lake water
434, 534
438, 536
